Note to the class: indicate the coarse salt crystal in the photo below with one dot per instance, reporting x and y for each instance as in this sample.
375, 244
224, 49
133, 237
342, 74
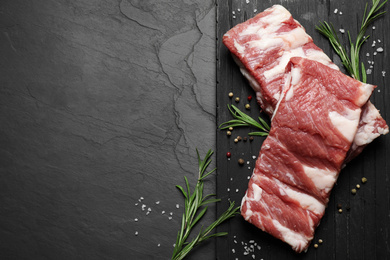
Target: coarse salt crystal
136, 233
253, 157
147, 213
340, 13
375, 53
233, 251
228, 189
171, 213
136, 219
379, 90
247, 162
141, 198
248, 177
169, 218
383, 73
255, 10
177, 206
149, 209
162, 212
342, 30
335, 11
233, 12
380, 49
143, 207
236, 190
158, 245
234, 17
231, 179
247, 1
249, 168
239, 9
367, 54
373, 27
157, 202
369, 71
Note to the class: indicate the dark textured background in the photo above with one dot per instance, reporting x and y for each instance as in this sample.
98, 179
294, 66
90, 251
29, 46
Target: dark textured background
363, 231
102, 102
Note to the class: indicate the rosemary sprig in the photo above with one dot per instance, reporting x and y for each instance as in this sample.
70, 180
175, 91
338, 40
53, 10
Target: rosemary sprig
351, 62
242, 119
192, 215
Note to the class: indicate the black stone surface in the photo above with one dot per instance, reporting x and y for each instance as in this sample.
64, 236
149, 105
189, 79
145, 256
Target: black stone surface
362, 230
102, 103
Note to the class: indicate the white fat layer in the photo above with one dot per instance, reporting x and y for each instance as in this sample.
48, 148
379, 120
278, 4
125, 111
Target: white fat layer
365, 134
306, 201
257, 192
248, 213
347, 123
296, 240
366, 91
279, 69
320, 56
287, 85
323, 179
240, 48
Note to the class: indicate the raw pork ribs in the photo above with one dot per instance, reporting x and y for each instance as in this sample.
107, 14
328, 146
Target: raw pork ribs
321, 119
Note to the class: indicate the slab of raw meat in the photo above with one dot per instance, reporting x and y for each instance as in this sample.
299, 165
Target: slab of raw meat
313, 127
262, 47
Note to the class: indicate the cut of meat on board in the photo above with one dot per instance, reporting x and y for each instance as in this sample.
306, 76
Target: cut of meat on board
313, 127
262, 47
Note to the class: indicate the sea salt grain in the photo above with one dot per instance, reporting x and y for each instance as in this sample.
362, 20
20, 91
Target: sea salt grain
383, 73
369, 71
136, 219
340, 13
177, 206
163, 212
255, 10
380, 49
335, 11
136, 233
236, 190
342, 30
157, 202
247, 1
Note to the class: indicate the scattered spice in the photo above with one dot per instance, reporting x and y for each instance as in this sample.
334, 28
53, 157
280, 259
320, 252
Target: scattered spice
340, 210
239, 138
353, 191
228, 154
228, 133
249, 98
315, 245
358, 186
245, 139
241, 161
230, 128
237, 99
247, 106
251, 138
339, 206
364, 180
236, 140
320, 241
231, 94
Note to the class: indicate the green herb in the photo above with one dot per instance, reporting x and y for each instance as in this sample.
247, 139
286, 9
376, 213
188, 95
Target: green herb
351, 61
191, 216
242, 119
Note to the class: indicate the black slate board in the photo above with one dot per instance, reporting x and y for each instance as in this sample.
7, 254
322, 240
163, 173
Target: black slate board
362, 232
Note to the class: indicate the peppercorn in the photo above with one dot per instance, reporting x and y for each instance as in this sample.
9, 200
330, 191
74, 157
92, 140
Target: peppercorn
353, 191
339, 206
358, 186
364, 180
228, 154
237, 99
239, 138
251, 138
249, 98
236, 140
230, 128
340, 210
247, 106
320, 241
241, 161
228, 133
231, 94
315, 245
245, 139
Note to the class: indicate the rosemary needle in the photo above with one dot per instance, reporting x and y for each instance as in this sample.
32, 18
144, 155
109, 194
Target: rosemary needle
242, 119
351, 62
193, 213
